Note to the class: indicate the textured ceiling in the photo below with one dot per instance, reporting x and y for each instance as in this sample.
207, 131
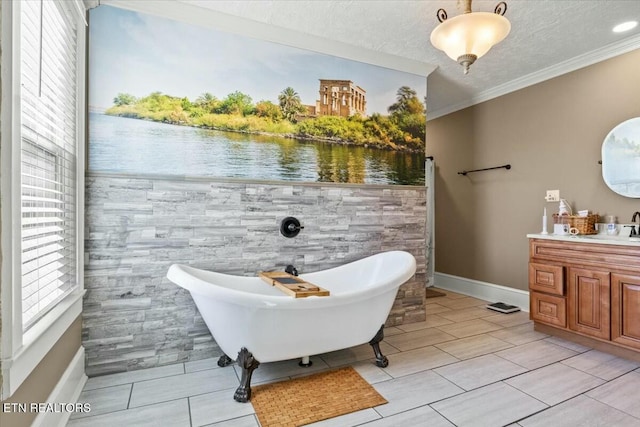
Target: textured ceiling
544, 33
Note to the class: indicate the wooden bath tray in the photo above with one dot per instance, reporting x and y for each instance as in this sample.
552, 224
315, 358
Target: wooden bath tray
292, 285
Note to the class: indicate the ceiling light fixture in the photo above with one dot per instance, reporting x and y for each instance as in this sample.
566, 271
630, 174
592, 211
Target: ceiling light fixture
625, 26
467, 37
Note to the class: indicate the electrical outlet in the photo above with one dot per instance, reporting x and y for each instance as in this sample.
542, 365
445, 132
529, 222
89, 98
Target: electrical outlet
553, 196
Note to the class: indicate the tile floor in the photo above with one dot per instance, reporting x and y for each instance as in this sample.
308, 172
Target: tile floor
464, 366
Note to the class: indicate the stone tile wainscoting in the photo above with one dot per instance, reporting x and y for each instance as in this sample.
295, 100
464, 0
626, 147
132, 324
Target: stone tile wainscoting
137, 227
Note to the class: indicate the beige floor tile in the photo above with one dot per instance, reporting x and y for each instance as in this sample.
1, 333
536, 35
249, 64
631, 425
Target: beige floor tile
431, 321
246, 421
201, 365
493, 405
602, 365
357, 353
435, 308
422, 416
218, 406
508, 320
466, 314
480, 371
581, 411
176, 387
392, 330
568, 344
446, 301
104, 400
449, 294
419, 338
370, 371
132, 376
518, 335
554, 383
536, 354
469, 328
353, 419
173, 413
477, 345
459, 303
409, 362
621, 393
413, 391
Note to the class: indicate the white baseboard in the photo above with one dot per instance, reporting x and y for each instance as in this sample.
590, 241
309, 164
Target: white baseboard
483, 290
67, 390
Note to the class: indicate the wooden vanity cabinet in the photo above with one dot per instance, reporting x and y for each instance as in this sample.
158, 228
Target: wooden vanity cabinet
590, 291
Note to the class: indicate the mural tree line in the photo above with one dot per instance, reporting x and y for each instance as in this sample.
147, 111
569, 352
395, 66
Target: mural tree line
403, 129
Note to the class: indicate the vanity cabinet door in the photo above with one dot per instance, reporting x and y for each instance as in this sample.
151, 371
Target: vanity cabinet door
589, 300
546, 278
625, 309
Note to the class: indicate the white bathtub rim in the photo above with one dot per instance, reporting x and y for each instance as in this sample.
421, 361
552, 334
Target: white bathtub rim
183, 276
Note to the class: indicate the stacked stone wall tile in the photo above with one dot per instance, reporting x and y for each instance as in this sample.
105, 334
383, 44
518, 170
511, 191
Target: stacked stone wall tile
135, 228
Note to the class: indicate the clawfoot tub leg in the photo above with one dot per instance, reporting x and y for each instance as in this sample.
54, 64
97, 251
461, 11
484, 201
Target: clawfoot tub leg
381, 360
248, 363
225, 361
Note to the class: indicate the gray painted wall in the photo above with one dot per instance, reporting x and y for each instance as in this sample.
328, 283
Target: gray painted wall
137, 227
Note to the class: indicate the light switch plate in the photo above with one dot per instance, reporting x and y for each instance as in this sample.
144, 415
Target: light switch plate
553, 196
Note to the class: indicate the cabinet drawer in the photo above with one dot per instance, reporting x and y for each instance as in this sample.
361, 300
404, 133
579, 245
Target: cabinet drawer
548, 309
546, 278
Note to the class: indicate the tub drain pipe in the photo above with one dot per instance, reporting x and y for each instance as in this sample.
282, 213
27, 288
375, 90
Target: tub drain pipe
305, 362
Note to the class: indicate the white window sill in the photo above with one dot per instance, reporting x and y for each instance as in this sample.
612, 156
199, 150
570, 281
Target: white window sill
38, 341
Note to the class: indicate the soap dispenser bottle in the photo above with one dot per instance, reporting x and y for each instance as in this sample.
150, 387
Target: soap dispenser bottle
612, 226
564, 208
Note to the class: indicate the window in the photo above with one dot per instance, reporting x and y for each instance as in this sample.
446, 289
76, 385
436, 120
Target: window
48, 231
48, 158
42, 130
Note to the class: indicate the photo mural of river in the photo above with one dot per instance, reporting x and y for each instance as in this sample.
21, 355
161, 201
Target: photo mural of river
171, 98
125, 145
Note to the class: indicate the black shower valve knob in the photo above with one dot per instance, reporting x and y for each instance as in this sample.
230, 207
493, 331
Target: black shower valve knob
290, 227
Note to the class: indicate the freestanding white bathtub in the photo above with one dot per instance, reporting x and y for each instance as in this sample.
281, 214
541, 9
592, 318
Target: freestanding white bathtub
262, 324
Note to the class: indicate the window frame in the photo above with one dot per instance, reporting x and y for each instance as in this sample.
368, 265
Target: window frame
21, 351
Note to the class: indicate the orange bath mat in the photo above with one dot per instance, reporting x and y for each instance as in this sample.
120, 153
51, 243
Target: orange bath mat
305, 400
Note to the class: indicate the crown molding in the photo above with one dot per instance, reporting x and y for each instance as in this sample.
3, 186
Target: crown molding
575, 63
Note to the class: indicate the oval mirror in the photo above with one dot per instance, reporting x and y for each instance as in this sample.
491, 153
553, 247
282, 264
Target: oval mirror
621, 158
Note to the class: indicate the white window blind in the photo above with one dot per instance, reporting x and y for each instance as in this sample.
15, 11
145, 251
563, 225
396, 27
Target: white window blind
48, 155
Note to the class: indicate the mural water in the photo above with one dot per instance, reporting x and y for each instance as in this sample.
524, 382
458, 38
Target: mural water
126, 145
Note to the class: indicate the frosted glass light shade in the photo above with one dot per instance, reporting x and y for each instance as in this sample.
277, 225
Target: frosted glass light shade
470, 33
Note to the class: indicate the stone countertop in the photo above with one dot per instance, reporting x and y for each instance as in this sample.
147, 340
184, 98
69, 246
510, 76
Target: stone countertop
603, 239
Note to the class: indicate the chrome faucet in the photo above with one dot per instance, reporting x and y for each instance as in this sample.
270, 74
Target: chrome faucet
636, 214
